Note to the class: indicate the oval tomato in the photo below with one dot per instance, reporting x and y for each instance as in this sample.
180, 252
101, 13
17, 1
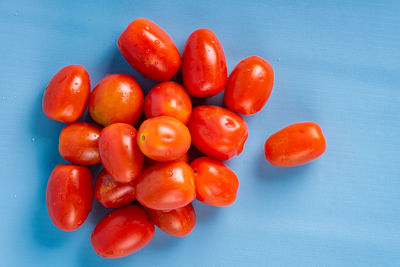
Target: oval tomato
168, 99
249, 85
116, 98
149, 50
166, 186
204, 70
69, 196
122, 232
216, 184
295, 145
178, 222
119, 152
66, 96
217, 132
163, 138
79, 143
112, 194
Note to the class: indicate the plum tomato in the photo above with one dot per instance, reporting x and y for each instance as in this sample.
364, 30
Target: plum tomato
295, 145
66, 96
163, 138
204, 69
149, 50
217, 132
168, 99
119, 152
79, 143
166, 186
69, 196
116, 98
249, 86
122, 232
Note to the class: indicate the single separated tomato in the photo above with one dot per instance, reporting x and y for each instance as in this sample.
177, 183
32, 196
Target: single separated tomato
66, 96
116, 98
69, 196
122, 232
168, 99
119, 152
166, 186
163, 138
178, 222
249, 86
217, 132
79, 143
204, 70
149, 50
112, 194
295, 145
216, 184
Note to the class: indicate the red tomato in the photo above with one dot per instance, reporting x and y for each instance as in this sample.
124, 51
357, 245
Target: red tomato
122, 232
119, 152
66, 96
116, 98
149, 50
148, 161
112, 194
217, 132
166, 186
69, 196
249, 86
204, 70
163, 138
79, 143
169, 99
216, 184
178, 222
295, 145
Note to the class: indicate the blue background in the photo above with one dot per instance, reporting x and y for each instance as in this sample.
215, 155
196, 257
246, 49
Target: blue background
336, 63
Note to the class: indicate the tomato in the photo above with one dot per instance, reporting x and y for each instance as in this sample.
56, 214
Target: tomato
148, 161
204, 70
149, 50
216, 184
295, 145
69, 196
166, 186
66, 96
116, 98
169, 99
177, 222
122, 232
119, 152
163, 138
249, 85
112, 194
79, 143
217, 132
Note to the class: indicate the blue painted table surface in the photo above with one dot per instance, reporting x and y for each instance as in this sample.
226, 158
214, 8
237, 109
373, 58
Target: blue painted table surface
336, 63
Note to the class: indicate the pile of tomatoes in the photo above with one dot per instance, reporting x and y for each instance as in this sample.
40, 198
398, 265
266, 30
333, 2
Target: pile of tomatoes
150, 164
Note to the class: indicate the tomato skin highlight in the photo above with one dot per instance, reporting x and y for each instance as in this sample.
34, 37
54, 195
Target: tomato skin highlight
122, 232
79, 143
204, 69
177, 222
69, 196
249, 86
294, 145
166, 186
112, 194
168, 99
119, 152
66, 95
149, 50
116, 98
217, 132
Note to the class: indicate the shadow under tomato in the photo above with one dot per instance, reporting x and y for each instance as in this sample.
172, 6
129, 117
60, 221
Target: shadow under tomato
205, 213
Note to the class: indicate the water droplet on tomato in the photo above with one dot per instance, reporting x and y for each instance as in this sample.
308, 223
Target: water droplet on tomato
147, 28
